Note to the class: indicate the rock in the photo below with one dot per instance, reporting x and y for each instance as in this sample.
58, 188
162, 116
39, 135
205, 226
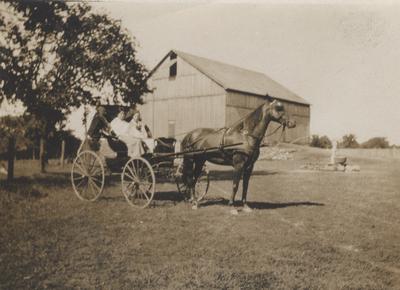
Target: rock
340, 167
274, 153
352, 168
329, 167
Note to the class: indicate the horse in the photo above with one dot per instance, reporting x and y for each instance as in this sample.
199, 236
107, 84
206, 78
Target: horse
246, 136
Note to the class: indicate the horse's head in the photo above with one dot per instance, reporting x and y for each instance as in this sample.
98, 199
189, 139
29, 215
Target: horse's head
278, 114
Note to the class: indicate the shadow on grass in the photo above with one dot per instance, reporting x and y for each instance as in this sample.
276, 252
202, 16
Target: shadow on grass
269, 205
228, 174
162, 197
259, 204
168, 196
117, 198
59, 179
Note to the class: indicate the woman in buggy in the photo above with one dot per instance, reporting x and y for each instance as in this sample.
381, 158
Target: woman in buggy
133, 133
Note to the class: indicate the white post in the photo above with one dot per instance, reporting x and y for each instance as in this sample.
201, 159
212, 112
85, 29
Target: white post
333, 152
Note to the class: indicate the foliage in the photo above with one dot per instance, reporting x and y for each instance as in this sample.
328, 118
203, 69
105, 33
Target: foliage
71, 144
376, 142
320, 142
12, 126
55, 55
25, 129
349, 141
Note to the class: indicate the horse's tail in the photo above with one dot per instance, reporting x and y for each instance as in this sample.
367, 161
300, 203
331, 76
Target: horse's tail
186, 142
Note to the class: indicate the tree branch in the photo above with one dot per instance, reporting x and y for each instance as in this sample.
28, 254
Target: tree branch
36, 69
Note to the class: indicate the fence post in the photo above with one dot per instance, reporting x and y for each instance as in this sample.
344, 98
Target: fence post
11, 158
62, 153
42, 154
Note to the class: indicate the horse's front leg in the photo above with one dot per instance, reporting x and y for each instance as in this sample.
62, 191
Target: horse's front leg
246, 178
239, 160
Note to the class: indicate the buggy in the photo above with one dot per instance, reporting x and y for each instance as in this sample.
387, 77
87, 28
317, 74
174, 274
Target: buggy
102, 155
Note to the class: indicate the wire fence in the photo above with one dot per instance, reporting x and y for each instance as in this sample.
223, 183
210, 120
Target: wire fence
390, 153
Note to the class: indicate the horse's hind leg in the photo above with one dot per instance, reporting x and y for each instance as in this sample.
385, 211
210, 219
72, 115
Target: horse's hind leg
198, 167
187, 175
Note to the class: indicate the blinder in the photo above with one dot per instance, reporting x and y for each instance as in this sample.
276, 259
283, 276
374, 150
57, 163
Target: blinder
279, 107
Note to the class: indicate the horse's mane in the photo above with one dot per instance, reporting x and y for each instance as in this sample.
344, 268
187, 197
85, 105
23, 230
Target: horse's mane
249, 121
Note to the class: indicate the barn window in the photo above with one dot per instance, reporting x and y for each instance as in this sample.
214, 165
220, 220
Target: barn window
172, 70
173, 65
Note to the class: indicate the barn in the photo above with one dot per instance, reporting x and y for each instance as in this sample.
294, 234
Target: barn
192, 92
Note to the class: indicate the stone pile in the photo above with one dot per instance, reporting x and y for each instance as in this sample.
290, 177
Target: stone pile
274, 153
331, 167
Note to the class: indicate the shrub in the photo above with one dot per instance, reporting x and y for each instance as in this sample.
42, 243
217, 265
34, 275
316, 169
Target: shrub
376, 142
320, 142
349, 141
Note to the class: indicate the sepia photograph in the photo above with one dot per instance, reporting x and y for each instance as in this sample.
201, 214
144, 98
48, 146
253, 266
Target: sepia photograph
200, 144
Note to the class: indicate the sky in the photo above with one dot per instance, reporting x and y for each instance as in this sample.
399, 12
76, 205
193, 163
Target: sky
343, 57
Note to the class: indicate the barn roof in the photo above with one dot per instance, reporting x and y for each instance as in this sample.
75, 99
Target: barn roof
238, 79
235, 78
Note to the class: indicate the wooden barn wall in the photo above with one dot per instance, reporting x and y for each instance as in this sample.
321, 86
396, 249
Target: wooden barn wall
240, 104
190, 99
301, 114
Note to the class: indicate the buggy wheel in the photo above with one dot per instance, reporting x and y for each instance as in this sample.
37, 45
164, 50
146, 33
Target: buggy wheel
138, 182
202, 184
87, 176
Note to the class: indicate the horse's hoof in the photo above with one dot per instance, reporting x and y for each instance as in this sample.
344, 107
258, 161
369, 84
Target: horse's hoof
195, 206
234, 211
247, 209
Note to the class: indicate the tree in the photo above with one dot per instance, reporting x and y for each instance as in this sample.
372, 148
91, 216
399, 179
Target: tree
55, 55
320, 142
376, 142
349, 141
12, 130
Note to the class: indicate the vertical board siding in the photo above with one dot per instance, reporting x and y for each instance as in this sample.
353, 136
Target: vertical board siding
190, 99
240, 104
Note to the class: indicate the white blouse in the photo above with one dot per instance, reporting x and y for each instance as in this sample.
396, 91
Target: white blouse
120, 127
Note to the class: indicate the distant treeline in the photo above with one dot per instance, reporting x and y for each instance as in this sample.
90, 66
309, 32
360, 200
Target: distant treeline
31, 150
350, 141
27, 139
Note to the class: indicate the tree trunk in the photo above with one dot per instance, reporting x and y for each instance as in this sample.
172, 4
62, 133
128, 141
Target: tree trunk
11, 158
62, 153
33, 153
42, 154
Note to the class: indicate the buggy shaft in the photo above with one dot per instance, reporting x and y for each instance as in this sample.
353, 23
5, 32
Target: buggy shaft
197, 152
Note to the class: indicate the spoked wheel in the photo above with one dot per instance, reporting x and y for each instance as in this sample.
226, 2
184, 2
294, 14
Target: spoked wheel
87, 176
202, 184
138, 182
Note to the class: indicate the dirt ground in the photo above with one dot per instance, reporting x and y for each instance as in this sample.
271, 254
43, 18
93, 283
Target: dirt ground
309, 230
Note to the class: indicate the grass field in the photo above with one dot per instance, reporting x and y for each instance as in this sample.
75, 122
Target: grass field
309, 230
